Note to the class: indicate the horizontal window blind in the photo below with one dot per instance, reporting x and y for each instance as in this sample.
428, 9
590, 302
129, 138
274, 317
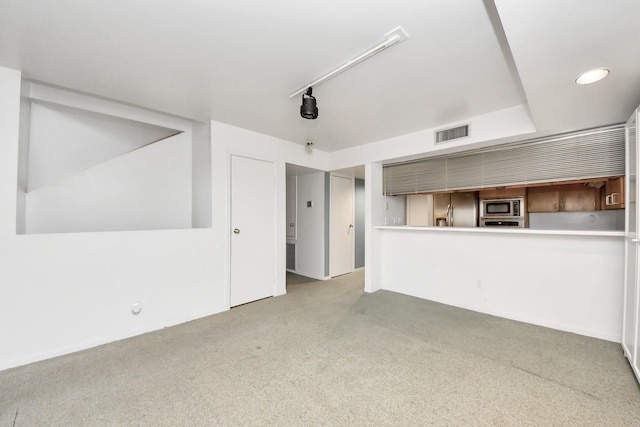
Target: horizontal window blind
406, 178
592, 154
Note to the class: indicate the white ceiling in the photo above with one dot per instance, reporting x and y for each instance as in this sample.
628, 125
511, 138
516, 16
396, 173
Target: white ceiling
237, 62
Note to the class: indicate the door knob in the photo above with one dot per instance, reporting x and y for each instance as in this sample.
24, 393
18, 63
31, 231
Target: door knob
236, 230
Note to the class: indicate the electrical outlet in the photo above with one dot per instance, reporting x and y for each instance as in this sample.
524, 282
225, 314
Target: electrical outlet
136, 307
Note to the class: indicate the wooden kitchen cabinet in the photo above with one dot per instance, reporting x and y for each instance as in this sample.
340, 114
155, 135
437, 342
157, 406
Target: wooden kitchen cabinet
614, 193
578, 200
543, 199
563, 198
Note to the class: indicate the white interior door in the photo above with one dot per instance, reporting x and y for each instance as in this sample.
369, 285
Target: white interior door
631, 309
252, 230
341, 237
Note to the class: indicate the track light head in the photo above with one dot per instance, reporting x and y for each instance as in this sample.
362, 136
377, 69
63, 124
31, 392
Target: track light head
308, 109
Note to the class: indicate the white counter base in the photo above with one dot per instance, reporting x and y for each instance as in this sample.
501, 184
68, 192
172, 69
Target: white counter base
566, 280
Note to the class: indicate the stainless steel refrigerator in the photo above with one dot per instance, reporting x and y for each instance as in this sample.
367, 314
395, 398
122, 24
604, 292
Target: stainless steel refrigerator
455, 209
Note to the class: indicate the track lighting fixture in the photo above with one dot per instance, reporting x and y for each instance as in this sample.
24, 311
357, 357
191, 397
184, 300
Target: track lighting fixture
308, 109
393, 37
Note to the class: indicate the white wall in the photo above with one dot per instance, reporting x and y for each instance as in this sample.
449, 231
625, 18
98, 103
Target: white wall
375, 211
311, 234
359, 223
568, 282
66, 292
487, 129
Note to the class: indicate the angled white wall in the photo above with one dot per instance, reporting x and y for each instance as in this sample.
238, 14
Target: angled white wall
145, 189
65, 141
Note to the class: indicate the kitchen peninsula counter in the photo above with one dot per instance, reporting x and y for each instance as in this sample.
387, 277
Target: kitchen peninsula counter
563, 279
506, 230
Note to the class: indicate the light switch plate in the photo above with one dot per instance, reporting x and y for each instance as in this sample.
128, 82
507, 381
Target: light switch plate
309, 204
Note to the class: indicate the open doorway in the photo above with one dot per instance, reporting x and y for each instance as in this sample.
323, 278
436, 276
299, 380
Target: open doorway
308, 213
307, 223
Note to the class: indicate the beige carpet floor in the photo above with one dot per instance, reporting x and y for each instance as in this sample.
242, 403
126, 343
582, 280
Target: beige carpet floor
328, 354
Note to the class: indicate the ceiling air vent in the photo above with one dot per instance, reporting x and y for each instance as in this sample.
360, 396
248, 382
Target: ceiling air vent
453, 133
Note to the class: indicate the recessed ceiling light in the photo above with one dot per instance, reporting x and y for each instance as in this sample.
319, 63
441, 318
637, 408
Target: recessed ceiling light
592, 76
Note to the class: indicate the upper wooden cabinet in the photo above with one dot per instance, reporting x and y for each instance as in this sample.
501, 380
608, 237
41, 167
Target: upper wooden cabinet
614, 193
563, 198
579, 200
543, 199
577, 197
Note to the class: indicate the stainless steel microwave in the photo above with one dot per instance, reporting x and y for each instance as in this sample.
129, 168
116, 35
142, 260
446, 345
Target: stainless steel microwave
513, 207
